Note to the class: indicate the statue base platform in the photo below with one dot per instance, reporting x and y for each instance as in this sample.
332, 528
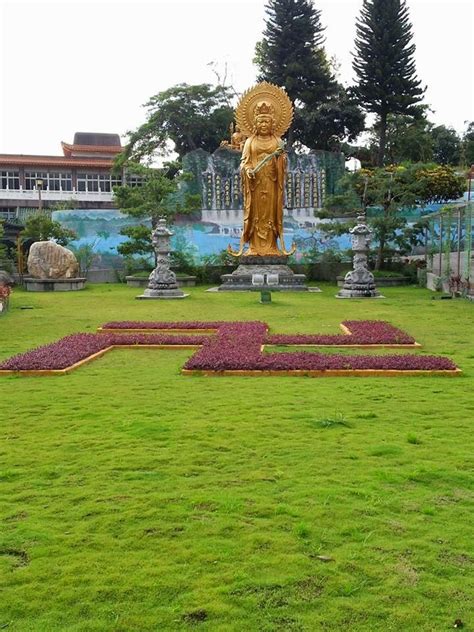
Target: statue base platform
162, 294
359, 291
273, 271
54, 285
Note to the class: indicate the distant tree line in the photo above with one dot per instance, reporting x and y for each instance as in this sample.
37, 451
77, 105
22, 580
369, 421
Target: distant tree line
416, 139
328, 115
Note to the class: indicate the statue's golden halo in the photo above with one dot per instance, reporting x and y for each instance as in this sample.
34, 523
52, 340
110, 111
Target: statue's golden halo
276, 96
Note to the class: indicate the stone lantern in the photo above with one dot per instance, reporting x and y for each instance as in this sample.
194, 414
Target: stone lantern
162, 281
359, 283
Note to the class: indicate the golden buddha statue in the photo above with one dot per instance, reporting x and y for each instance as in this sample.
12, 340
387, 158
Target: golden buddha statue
264, 113
237, 139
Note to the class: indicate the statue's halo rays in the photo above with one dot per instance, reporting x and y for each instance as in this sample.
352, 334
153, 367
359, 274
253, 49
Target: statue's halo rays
276, 96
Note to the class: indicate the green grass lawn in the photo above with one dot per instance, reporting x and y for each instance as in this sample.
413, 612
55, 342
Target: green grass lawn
133, 498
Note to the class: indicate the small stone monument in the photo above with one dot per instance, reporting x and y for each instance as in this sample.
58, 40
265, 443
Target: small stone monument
359, 283
263, 283
162, 281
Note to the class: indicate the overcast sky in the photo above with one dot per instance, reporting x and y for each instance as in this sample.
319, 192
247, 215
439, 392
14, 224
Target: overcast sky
89, 65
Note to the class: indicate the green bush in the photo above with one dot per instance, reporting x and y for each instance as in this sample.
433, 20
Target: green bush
41, 227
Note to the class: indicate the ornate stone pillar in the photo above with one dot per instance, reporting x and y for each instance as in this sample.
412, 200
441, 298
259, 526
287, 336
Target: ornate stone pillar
162, 281
359, 283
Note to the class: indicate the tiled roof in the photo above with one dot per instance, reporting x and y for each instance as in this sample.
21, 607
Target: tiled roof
96, 149
53, 161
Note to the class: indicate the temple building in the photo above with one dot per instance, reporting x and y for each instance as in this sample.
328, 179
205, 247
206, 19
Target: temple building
82, 176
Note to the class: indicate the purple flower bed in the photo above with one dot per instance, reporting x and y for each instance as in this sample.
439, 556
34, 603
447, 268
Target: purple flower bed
71, 349
58, 355
137, 324
233, 340
363, 332
235, 346
325, 362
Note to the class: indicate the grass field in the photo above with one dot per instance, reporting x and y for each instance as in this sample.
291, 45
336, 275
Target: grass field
133, 498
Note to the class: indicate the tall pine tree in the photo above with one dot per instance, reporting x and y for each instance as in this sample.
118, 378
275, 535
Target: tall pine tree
291, 55
384, 64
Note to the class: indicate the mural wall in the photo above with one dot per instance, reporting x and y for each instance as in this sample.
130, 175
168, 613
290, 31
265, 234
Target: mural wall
216, 178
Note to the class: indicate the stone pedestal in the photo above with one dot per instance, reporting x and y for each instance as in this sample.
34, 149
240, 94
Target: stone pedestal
167, 293
277, 275
54, 285
182, 281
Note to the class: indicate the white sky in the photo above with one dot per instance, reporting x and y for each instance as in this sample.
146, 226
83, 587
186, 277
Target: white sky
89, 65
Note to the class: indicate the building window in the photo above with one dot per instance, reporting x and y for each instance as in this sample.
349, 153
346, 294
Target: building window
115, 181
7, 213
82, 182
54, 181
134, 181
97, 182
32, 176
104, 183
59, 181
9, 180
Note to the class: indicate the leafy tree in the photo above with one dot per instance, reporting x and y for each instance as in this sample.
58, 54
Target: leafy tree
329, 123
291, 55
408, 139
184, 253
468, 145
86, 256
156, 197
384, 64
390, 190
446, 145
41, 227
414, 139
364, 153
191, 116
437, 183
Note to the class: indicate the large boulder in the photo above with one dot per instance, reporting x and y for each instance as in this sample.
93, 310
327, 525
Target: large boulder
48, 260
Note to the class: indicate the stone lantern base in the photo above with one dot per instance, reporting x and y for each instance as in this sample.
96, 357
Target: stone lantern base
359, 284
359, 293
170, 293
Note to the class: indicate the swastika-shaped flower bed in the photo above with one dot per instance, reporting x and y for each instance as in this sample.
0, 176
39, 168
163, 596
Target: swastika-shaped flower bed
236, 348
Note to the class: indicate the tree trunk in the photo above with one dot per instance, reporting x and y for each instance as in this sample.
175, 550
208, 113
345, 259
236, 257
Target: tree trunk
380, 249
191, 144
382, 139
